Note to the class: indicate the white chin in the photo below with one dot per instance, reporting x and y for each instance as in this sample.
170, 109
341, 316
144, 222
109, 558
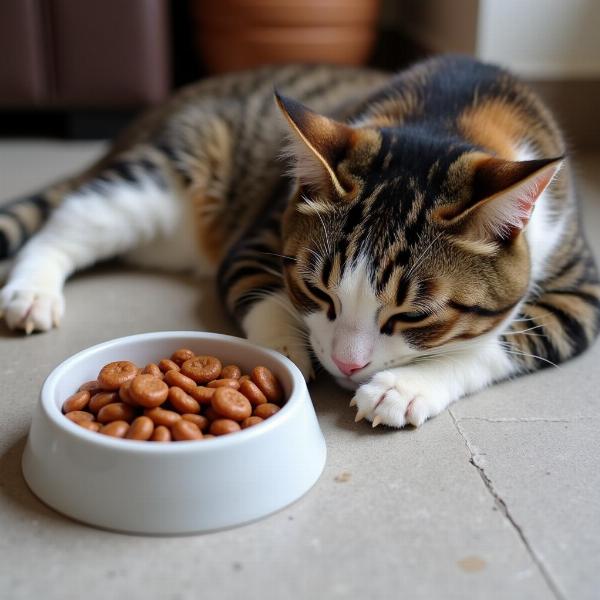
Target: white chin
347, 383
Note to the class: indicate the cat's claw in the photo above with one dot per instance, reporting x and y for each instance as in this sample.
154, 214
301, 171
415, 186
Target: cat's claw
352, 403
360, 415
377, 419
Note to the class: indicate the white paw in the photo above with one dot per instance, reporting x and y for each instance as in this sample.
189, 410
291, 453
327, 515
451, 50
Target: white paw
31, 309
398, 398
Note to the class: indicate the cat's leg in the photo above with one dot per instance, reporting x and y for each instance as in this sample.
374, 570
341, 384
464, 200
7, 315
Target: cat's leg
413, 393
273, 322
121, 209
251, 283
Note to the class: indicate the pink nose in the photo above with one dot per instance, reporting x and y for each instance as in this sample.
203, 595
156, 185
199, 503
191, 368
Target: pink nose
348, 368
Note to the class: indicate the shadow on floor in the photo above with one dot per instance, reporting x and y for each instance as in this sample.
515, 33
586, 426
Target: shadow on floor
15, 491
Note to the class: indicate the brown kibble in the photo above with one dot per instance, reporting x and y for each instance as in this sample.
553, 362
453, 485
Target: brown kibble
182, 402
77, 401
115, 429
124, 394
231, 372
160, 416
184, 430
181, 355
211, 414
93, 387
252, 392
264, 411
202, 369
269, 384
141, 429
202, 394
152, 369
102, 399
224, 426
91, 425
202, 399
200, 420
230, 383
161, 434
115, 374
229, 403
78, 416
166, 365
180, 380
250, 421
117, 411
148, 391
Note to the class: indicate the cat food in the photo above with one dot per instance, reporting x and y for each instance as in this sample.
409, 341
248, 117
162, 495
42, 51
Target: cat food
78, 401
148, 391
264, 411
267, 383
115, 374
202, 369
181, 398
229, 403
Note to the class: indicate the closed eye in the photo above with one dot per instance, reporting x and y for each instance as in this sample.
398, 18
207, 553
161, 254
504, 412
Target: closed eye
411, 317
403, 317
324, 297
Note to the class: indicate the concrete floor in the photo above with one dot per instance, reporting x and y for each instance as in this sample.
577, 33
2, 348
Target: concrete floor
498, 497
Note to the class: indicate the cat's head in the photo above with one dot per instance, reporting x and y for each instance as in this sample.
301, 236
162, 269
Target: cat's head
402, 245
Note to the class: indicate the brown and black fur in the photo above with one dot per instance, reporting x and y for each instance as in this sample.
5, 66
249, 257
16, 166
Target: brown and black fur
407, 167
412, 155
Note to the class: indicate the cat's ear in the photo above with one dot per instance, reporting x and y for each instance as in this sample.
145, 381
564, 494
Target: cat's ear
317, 145
503, 196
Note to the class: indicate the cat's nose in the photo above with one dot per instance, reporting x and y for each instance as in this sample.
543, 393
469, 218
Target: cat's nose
348, 368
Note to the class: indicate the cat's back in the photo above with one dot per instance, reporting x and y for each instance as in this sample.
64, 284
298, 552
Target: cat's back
459, 96
245, 100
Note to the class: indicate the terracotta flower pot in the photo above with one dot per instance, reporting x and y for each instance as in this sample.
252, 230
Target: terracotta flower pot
239, 34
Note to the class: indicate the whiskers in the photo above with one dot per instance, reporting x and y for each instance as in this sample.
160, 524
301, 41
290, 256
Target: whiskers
525, 332
284, 256
453, 354
510, 349
325, 234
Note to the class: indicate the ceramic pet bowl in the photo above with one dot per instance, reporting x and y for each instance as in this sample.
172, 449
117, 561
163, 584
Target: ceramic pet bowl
181, 487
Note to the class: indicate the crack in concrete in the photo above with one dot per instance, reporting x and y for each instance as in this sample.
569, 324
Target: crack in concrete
475, 456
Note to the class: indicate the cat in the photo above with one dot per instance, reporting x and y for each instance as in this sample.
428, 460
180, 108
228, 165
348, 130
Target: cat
419, 240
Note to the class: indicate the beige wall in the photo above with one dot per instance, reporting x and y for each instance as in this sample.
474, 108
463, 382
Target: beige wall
542, 39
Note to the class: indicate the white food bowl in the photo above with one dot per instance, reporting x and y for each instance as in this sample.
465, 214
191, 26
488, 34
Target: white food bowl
181, 487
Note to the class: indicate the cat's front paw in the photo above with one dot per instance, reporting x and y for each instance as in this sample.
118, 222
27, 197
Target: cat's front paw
399, 397
31, 309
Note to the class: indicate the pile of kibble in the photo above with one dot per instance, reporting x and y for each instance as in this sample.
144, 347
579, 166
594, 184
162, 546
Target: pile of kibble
185, 397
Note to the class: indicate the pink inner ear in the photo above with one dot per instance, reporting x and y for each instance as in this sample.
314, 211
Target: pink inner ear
505, 214
530, 196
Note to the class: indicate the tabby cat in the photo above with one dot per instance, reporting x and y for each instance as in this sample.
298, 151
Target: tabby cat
420, 238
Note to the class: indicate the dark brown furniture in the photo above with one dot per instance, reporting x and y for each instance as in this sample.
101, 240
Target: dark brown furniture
79, 54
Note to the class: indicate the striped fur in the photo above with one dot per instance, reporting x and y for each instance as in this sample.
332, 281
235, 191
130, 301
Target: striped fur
415, 223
